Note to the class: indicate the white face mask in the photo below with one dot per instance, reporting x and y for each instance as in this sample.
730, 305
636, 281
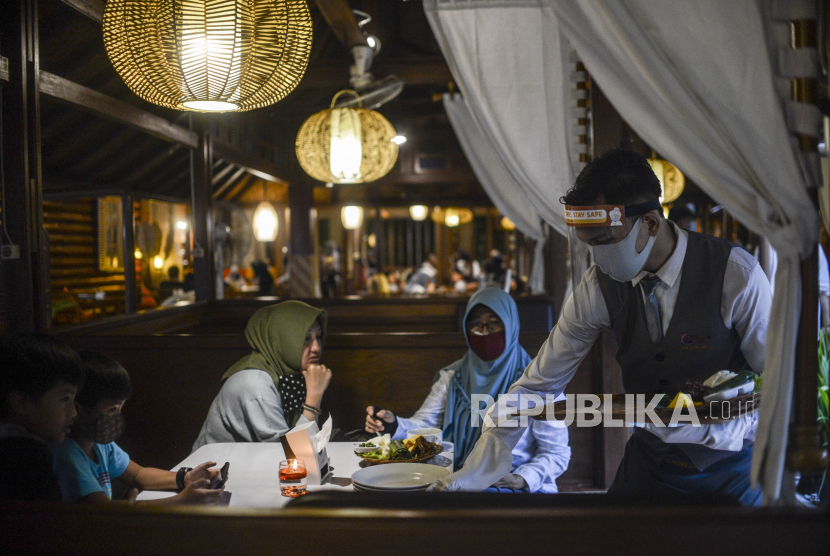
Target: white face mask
620, 260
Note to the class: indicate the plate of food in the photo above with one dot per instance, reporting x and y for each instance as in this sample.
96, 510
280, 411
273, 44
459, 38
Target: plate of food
722, 397
411, 450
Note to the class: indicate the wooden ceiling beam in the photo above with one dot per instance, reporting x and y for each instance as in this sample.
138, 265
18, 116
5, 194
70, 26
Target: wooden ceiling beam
114, 109
241, 187
254, 165
220, 175
341, 20
122, 112
97, 157
162, 182
93, 9
220, 191
146, 168
124, 161
420, 71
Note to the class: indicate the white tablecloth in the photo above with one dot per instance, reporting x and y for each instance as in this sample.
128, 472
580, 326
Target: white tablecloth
253, 478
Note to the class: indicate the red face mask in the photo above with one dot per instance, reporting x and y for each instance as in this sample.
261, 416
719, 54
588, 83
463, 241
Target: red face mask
488, 347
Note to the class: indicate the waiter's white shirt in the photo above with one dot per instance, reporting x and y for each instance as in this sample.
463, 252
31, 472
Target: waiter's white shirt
746, 300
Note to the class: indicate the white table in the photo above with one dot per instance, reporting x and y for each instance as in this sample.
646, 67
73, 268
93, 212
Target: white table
253, 478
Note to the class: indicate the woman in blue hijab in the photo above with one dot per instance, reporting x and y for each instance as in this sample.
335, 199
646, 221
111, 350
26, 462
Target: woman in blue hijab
493, 362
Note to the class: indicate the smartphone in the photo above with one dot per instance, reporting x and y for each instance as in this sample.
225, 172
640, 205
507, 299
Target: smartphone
219, 481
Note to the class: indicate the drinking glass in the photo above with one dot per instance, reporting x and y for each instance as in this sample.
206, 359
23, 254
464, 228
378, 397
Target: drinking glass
293, 477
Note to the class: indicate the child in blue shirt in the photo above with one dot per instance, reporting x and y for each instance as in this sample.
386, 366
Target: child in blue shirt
39, 378
88, 460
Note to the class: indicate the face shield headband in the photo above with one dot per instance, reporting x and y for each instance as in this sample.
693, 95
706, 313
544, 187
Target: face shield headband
619, 260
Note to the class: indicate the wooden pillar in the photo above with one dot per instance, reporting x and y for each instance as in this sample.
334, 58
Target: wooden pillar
128, 237
25, 266
301, 248
805, 452
380, 240
557, 273
201, 172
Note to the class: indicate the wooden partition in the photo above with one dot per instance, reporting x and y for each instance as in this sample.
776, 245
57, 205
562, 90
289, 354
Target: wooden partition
71, 530
370, 314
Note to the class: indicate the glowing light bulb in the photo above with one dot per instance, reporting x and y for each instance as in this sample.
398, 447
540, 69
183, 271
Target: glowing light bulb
452, 218
352, 217
158, 262
266, 224
346, 147
399, 139
418, 212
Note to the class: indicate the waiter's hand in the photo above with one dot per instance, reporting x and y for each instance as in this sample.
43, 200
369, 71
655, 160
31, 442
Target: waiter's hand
511, 481
374, 424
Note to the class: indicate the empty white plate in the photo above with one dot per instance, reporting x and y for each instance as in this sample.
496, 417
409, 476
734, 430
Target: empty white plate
400, 475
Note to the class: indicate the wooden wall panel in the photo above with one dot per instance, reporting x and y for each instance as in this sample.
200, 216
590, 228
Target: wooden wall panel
73, 270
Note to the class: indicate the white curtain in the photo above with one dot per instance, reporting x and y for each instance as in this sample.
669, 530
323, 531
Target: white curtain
498, 183
511, 63
704, 83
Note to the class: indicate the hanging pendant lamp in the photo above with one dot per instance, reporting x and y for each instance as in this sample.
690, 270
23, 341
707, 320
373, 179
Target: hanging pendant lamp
452, 217
419, 212
266, 224
352, 217
672, 180
346, 145
208, 55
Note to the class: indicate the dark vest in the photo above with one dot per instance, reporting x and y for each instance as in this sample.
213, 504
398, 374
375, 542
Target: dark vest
696, 344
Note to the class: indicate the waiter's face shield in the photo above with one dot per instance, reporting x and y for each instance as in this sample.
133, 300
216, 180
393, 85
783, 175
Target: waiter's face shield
613, 237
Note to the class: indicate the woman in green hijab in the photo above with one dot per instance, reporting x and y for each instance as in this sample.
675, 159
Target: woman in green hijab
279, 385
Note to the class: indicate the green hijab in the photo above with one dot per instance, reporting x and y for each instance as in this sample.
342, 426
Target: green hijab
277, 335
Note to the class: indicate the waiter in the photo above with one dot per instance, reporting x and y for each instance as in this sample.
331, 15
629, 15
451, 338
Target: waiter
682, 306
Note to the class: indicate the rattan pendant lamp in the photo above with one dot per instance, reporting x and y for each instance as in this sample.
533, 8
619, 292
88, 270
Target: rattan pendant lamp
346, 145
209, 55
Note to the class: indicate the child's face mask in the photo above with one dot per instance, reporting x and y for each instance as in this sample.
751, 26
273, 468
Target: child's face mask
488, 347
100, 428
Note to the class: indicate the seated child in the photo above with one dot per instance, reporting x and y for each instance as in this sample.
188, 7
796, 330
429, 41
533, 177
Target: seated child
38, 383
89, 458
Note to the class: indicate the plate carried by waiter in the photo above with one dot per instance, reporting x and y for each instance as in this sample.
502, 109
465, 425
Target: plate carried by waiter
639, 409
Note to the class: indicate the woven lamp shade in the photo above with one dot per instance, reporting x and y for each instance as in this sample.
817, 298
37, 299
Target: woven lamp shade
671, 179
209, 55
452, 216
346, 145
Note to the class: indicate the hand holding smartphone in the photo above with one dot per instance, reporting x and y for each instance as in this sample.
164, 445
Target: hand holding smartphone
220, 480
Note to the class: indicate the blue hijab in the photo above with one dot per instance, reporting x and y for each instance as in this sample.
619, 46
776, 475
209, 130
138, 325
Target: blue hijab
474, 376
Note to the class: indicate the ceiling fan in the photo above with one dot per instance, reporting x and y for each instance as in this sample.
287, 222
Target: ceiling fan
372, 92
